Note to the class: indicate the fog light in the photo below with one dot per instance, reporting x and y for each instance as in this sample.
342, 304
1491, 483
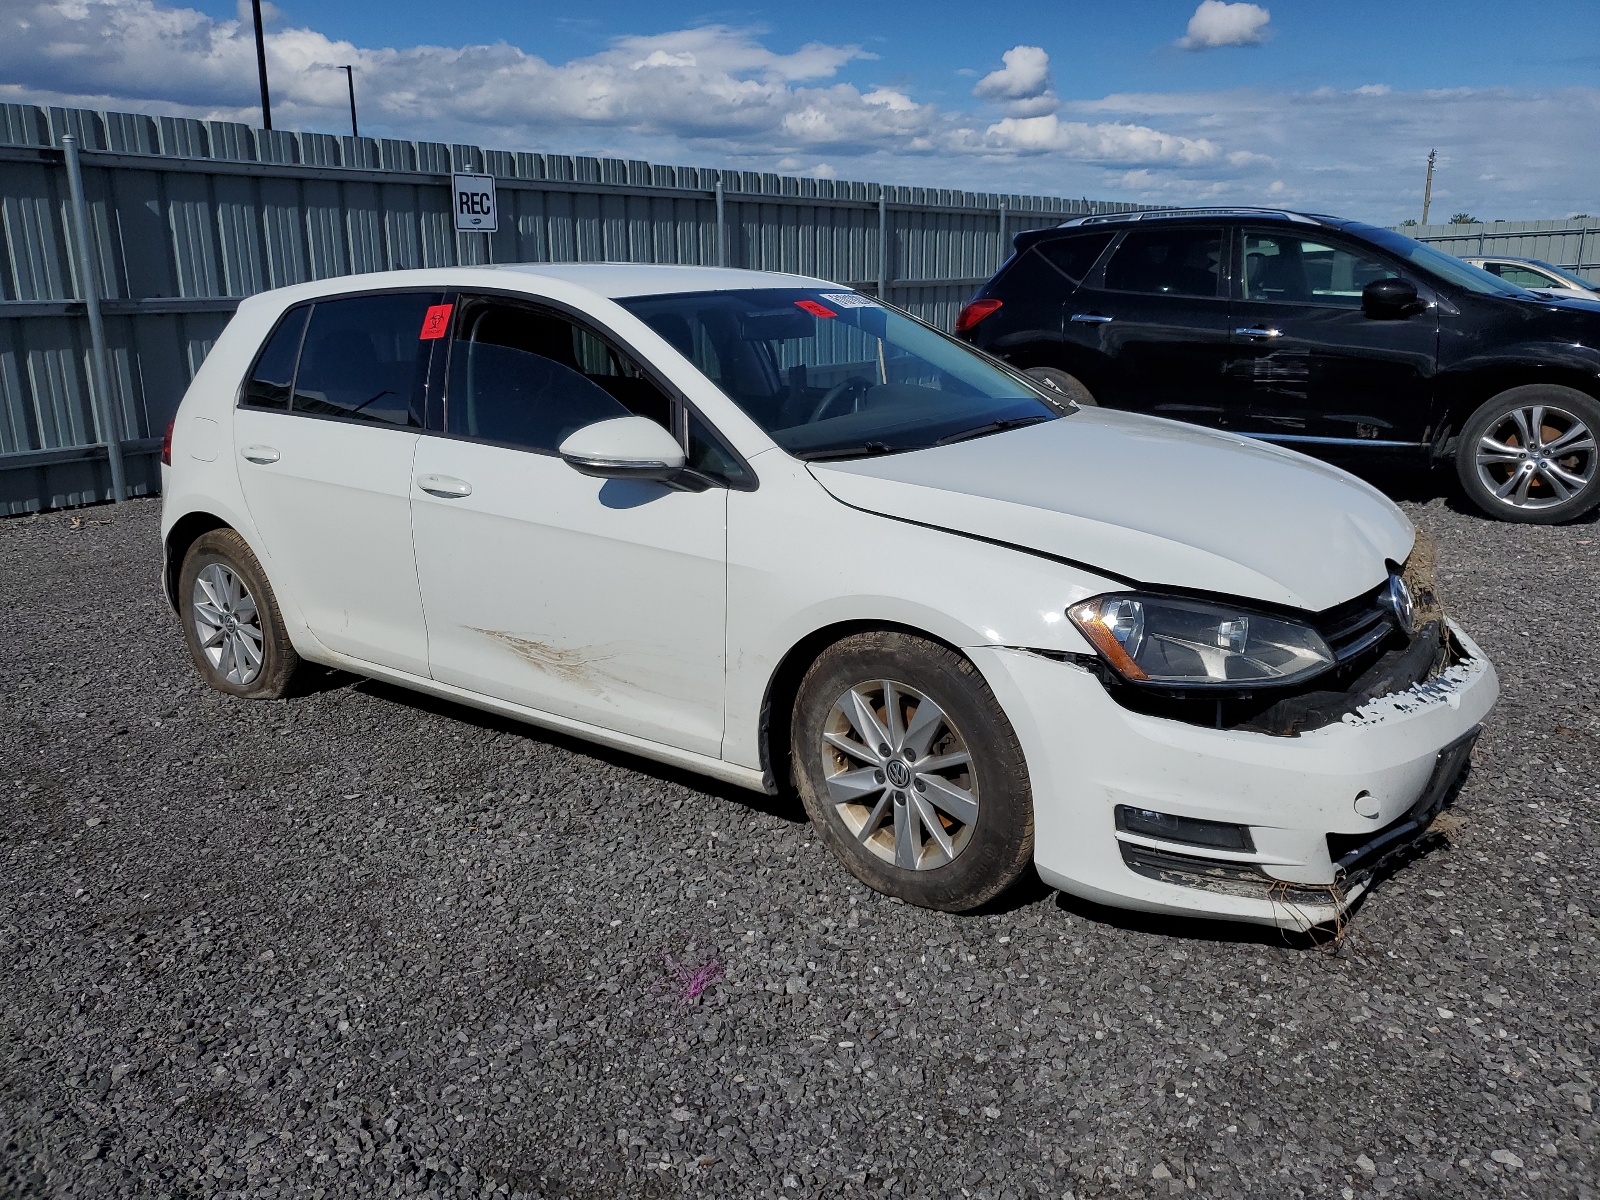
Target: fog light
1217, 834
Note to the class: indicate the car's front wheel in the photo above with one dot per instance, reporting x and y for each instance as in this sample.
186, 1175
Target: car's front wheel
1063, 384
1530, 455
911, 772
231, 621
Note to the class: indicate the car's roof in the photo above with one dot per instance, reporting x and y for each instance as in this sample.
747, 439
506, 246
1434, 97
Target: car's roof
610, 280
655, 279
1178, 214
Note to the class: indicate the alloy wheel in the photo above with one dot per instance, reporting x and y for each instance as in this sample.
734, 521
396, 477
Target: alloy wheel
900, 775
1536, 456
228, 624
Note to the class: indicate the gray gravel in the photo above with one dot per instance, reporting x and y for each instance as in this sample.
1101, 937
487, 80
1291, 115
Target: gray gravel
360, 942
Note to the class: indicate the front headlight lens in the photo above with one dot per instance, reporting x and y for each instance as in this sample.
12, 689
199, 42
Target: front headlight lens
1153, 639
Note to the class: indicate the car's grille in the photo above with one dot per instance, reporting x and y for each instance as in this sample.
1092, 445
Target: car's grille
1353, 628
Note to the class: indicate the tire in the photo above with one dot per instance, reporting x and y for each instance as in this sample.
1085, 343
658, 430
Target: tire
1530, 455
231, 622
1069, 387
954, 835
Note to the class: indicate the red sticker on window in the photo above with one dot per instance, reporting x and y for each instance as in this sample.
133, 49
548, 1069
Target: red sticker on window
437, 323
815, 309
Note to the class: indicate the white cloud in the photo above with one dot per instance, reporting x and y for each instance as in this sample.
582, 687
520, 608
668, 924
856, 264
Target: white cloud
1104, 143
1217, 23
1022, 85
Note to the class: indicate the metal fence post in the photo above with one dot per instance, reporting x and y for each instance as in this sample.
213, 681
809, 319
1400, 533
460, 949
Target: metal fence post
883, 245
722, 228
1003, 255
1578, 265
89, 284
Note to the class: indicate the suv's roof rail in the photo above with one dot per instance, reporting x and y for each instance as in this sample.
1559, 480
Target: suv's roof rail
1156, 213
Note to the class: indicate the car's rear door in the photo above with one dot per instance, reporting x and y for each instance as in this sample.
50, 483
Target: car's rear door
1155, 316
602, 601
1314, 368
323, 439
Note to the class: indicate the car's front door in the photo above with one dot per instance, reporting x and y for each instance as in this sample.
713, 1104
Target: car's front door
324, 437
1155, 316
602, 601
1311, 366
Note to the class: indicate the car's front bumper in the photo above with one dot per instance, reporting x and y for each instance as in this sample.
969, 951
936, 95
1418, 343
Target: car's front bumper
1399, 755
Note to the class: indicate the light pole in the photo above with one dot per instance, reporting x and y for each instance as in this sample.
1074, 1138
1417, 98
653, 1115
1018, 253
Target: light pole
261, 66
1427, 191
350, 77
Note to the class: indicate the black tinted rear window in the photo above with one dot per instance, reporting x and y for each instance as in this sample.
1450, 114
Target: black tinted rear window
363, 357
1075, 256
273, 379
1167, 262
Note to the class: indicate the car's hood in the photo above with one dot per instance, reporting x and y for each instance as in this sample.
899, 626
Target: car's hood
1148, 500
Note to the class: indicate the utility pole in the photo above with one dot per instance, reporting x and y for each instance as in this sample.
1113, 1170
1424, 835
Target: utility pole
261, 66
350, 76
1427, 192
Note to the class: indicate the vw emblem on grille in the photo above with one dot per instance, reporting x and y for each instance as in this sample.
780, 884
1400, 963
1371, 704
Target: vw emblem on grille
1398, 597
899, 774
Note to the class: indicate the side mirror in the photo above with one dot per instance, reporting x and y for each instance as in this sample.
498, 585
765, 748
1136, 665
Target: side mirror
624, 448
1390, 299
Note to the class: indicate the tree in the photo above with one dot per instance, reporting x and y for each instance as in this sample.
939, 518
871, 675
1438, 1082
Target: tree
1464, 219
1408, 222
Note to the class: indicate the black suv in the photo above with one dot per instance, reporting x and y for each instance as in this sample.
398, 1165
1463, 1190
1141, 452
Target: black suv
1326, 335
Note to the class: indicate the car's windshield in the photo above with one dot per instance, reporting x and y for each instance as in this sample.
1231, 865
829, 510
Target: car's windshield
1571, 277
1436, 262
832, 374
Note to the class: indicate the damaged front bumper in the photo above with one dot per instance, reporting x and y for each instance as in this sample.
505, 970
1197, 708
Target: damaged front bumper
1321, 811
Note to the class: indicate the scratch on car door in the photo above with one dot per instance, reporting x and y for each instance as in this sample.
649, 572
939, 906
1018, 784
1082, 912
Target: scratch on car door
570, 666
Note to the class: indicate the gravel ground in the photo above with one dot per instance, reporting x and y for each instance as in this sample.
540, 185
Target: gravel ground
360, 942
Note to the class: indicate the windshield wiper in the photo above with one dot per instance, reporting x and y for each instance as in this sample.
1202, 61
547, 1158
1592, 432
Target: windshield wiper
991, 427
864, 450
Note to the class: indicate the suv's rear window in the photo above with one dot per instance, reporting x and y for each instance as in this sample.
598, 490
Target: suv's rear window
1167, 262
272, 381
1075, 256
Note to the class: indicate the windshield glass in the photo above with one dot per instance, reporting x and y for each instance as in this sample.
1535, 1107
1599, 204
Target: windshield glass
832, 374
1571, 277
1436, 262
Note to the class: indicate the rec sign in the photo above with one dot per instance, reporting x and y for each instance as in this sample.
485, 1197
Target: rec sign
473, 203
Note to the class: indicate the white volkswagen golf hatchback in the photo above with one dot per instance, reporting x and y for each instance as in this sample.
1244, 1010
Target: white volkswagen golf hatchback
769, 529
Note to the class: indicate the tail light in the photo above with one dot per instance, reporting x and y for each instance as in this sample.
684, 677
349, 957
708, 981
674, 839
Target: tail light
166, 444
975, 312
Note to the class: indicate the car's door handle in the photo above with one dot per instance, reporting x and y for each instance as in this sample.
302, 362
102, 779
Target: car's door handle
446, 487
261, 454
1258, 331
1092, 318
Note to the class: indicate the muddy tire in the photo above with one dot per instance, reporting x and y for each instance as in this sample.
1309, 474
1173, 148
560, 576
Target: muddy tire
1060, 383
911, 772
231, 622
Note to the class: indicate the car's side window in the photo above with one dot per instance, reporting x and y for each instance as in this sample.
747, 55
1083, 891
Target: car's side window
528, 377
1167, 262
1075, 255
1301, 270
1524, 277
272, 379
364, 358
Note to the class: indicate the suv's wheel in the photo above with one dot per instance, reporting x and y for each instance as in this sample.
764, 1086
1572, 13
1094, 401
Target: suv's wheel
1067, 386
911, 772
1529, 455
231, 621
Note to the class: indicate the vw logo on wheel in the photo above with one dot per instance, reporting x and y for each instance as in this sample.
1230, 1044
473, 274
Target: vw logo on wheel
899, 774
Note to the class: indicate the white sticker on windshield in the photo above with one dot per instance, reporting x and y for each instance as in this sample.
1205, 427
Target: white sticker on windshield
849, 300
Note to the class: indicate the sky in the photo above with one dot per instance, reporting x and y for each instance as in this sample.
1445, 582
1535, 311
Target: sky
1311, 104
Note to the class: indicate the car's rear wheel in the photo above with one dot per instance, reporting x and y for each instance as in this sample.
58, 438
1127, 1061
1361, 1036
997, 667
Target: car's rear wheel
911, 772
1530, 455
231, 621
1063, 384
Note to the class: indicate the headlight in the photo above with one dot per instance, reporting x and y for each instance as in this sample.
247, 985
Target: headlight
1189, 643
